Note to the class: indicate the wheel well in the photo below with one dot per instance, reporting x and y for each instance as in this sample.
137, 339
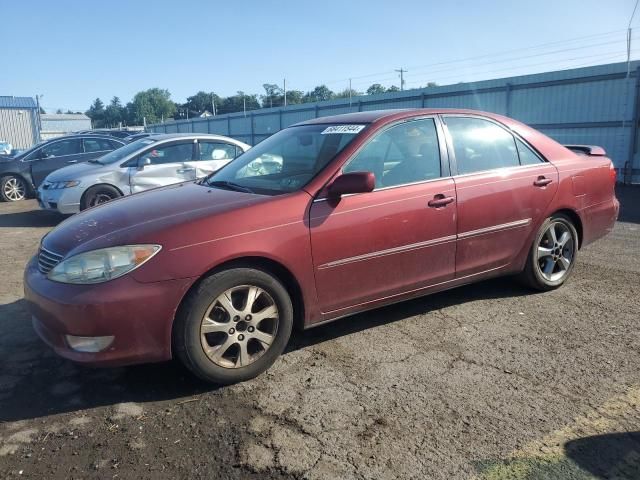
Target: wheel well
272, 267
84, 194
575, 218
30, 189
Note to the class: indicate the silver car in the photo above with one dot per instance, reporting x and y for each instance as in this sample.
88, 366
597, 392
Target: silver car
147, 163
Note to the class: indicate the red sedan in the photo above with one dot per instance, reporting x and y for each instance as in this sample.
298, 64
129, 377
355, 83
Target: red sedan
324, 219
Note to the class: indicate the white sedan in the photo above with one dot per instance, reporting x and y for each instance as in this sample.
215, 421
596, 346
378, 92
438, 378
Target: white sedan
150, 162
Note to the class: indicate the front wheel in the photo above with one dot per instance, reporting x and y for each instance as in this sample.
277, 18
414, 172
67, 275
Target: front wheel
13, 188
98, 195
233, 326
552, 255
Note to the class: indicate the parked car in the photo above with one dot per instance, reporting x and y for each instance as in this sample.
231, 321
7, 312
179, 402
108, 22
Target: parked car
123, 134
138, 136
21, 174
146, 163
5, 148
365, 209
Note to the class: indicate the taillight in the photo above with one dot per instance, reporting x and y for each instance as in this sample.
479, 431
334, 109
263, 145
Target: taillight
613, 174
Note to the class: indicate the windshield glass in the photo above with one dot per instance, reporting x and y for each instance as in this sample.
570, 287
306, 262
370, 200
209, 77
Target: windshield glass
122, 152
286, 161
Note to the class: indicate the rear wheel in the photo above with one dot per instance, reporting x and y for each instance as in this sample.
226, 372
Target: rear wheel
98, 195
13, 188
233, 326
552, 255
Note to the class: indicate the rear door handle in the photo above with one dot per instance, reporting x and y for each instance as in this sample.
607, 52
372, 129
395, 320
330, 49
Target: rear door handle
440, 201
72, 161
185, 170
542, 181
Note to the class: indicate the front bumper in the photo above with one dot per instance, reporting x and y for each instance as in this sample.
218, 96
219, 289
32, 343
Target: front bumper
138, 315
61, 200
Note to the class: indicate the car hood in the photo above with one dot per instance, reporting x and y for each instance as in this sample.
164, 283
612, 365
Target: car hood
76, 172
145, 217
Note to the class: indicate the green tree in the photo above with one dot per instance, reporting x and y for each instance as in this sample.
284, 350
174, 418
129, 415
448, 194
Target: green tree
238, 103
274, 96
346, 93
318, 94
200, 102
150, 105
96, 113
114, 114
294, 97
393, 88
376, 89
59, 111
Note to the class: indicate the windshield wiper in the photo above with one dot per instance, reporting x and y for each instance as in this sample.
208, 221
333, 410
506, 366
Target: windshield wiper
229, 186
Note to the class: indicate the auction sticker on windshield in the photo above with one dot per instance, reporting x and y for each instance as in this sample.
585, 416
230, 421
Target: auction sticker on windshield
342, 129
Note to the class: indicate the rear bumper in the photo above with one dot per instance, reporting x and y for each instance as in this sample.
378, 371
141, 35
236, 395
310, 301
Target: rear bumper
138, 315
601, 218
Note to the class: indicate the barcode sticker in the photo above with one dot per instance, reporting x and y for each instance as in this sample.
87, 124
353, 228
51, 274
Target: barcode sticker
342, 129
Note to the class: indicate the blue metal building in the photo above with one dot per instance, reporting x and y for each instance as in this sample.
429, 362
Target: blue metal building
593, 105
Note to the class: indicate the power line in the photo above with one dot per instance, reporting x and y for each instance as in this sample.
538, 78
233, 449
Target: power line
495, 54
602, 56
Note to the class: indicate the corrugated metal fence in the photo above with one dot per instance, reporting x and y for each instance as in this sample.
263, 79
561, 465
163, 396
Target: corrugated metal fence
593, 105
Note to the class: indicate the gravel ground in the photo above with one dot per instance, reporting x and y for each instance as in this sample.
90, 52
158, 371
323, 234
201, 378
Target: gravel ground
488, 381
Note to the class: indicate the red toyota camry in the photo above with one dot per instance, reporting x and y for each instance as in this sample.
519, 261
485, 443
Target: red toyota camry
324, 219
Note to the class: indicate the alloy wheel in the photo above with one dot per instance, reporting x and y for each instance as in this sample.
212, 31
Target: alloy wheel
239, 326
555, 252
14, 189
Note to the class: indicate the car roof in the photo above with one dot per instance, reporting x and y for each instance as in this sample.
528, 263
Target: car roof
373, 116
168, 136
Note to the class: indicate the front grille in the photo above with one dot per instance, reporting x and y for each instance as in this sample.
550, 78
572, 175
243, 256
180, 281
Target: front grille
47, 260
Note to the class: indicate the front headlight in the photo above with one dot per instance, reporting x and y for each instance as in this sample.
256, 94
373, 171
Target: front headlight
66, 184
102, 265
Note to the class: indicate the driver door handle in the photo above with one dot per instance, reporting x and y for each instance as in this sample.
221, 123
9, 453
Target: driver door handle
542, 181
440, 201
72, 161
185, 170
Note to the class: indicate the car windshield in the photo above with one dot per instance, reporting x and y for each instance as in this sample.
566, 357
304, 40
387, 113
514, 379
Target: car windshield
286, 161
122, 152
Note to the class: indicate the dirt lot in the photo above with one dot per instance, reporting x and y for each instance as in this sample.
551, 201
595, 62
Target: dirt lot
488, 381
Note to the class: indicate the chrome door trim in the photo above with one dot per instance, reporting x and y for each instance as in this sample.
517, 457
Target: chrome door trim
494, 228
388, 251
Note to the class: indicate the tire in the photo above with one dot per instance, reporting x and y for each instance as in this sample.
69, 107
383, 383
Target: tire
13, 188
98, 195
550, 263
220, 335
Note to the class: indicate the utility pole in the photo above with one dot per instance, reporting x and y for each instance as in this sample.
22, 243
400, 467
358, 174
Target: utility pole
350, 90
213, 105
284, 87
244, 104
39, 119
402, 72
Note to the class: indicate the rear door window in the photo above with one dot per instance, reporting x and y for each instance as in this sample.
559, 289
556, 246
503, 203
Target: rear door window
216, 150
481, 145
97, 145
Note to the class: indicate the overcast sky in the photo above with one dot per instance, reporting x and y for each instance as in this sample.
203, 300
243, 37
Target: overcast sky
74, 51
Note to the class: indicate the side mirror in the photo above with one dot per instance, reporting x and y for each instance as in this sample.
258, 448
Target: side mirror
143, 162
354, 182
